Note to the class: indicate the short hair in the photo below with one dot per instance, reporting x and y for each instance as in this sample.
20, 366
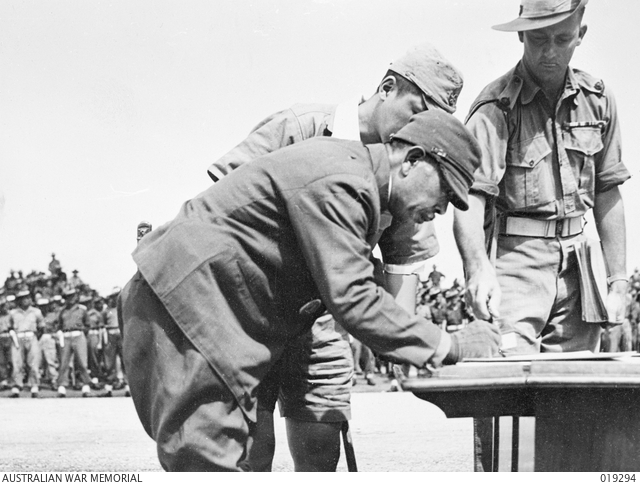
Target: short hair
404, 85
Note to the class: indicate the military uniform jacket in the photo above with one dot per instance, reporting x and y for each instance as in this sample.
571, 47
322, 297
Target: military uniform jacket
238, 265
546, 162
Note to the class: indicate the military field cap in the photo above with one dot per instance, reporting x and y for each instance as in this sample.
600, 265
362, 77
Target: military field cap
425, 67
85, 298
57, 298
11, 297
445, 139
69, 292
42, 301
434, 291
23, 293
537, 14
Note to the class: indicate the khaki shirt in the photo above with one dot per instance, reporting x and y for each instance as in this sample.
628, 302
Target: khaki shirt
28, 320
540, 162
74, 318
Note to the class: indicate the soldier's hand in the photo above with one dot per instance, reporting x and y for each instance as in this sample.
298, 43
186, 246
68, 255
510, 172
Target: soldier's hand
477, 340
616, 303
483, 292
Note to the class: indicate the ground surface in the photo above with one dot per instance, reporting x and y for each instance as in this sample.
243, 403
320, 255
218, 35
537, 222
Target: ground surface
392, 431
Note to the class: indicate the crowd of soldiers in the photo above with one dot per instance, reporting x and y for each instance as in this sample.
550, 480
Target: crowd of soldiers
57, 331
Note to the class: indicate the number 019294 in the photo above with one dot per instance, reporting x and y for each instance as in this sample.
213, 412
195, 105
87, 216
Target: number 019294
618, 477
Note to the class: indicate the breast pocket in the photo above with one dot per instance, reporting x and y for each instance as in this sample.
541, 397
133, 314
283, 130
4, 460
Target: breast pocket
582, 143
528, 179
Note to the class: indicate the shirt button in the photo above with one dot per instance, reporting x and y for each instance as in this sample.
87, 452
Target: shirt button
531, 163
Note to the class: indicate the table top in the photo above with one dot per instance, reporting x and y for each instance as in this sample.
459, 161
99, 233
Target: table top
514, 386
599, 371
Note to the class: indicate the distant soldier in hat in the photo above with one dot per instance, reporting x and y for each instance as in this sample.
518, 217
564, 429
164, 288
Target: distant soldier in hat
435, 277
95, 344
438, 307
54, 266
113, 347
6, 344
455, 313
249, 264
550, 139
75, 281
74, 323
48, 344
26, 321
315, 391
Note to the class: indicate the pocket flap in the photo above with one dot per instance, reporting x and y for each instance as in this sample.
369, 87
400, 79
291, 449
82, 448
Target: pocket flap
529, 153
585, 139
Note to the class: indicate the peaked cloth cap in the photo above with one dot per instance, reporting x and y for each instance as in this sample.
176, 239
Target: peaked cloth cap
446, 140
436, 77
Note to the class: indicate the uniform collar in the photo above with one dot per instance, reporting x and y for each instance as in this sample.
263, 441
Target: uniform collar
530, 88
381, 170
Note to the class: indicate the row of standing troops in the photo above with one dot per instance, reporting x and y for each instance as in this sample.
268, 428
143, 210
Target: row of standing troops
69, 338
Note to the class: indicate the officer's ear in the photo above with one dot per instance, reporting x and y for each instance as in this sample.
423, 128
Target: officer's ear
386, 86
413, 154
581, 34
521, 36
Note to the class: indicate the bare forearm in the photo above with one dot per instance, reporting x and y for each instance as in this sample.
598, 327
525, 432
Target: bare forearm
468, 229
403, 287
609, 217
483, 291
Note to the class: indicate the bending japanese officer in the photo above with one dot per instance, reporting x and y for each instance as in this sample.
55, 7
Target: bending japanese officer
251, 262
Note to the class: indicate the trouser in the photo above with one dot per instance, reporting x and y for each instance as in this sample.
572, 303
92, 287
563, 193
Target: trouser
113, 350
541, 305
94, 353
541, 295
180, 399
27, 355
6, 366
49, 357
76, 347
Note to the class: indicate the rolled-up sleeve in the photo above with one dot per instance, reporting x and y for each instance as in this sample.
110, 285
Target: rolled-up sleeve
489, 125
407, 244
610, 170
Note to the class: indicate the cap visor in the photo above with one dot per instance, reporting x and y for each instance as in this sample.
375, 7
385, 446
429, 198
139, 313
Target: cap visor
458, 193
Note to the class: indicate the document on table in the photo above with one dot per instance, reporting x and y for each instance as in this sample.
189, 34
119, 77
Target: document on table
582, 355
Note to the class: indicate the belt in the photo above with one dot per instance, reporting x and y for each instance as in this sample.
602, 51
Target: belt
5, 334
523, 226
452, 328
113, 331
24, 334
73, 333
94, 331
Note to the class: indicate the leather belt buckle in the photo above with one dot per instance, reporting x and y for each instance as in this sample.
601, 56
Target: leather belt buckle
560, 224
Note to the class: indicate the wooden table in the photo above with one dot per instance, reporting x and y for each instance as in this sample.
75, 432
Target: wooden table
587, 412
